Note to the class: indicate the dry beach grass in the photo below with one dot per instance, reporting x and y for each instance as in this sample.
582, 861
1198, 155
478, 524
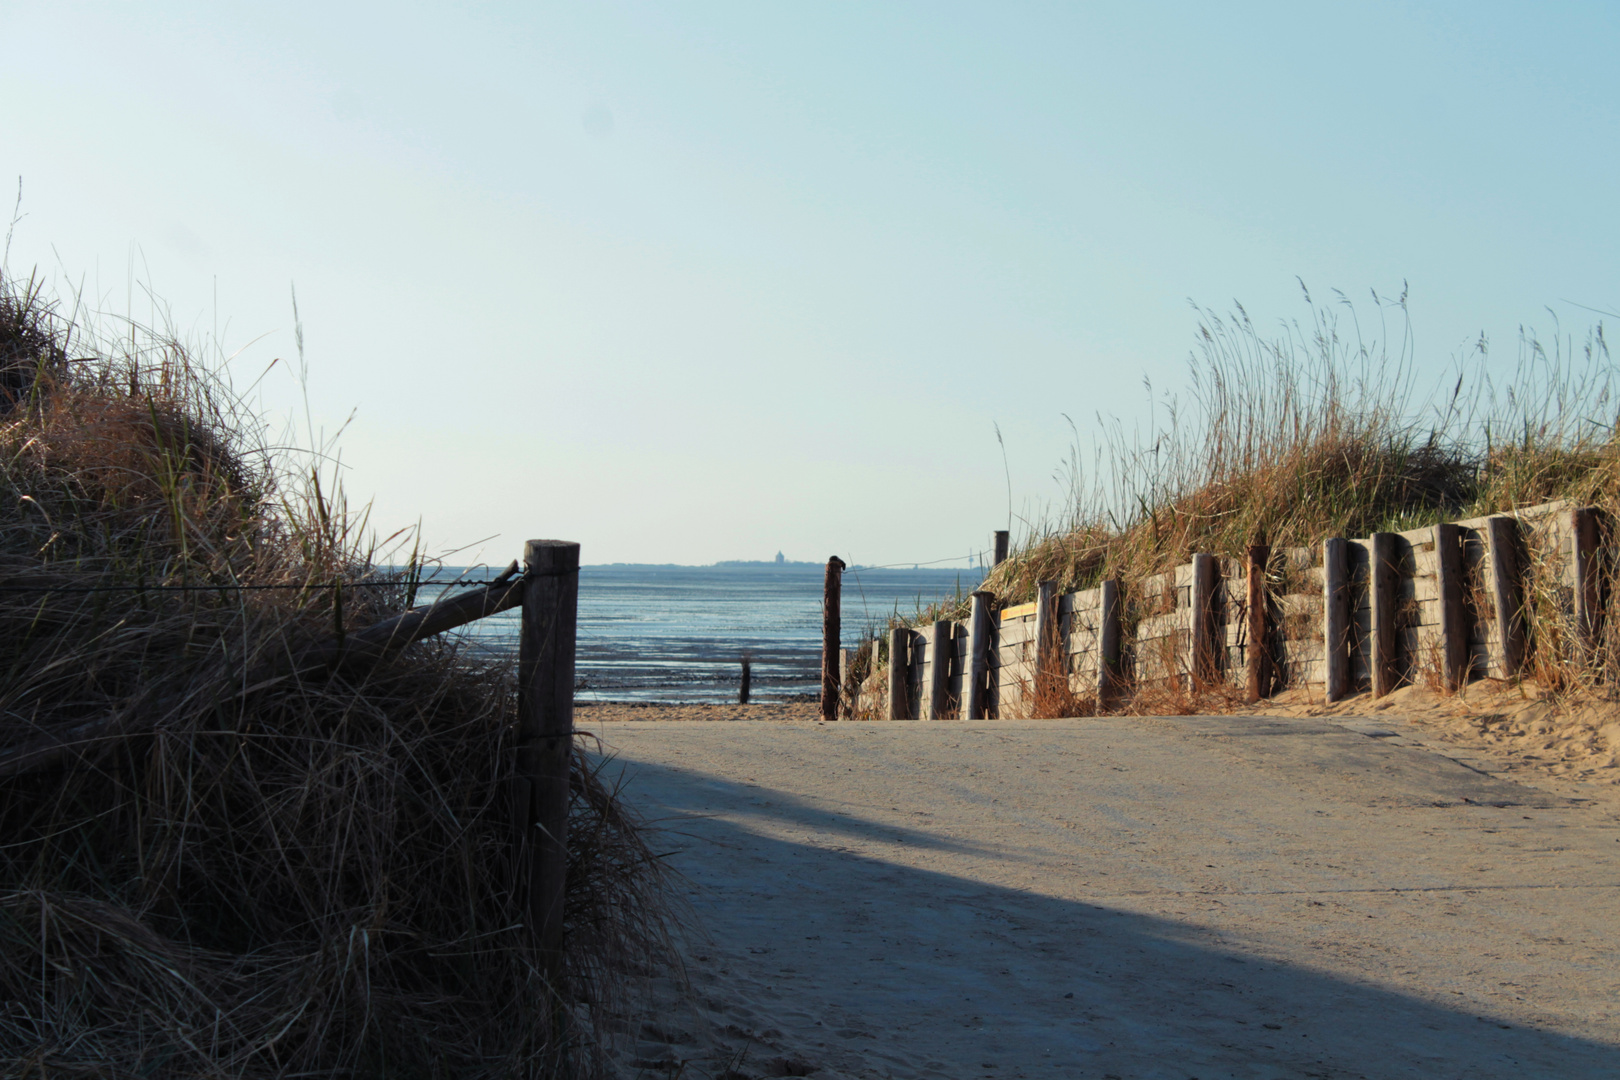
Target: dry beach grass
308, 875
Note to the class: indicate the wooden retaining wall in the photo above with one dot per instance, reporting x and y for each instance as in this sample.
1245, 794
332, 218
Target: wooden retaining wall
1440, 605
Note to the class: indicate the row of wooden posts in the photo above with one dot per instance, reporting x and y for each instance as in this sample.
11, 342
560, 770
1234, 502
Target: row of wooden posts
1450, 599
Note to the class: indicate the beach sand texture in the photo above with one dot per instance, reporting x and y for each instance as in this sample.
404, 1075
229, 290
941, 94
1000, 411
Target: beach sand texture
1126, 897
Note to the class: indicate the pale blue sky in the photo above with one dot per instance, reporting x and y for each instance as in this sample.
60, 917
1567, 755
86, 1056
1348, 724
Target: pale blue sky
705, 281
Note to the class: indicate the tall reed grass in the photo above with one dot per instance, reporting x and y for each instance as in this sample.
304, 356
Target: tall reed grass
1324, 427
300, 877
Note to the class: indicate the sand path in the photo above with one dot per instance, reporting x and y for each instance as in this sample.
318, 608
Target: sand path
1119, 897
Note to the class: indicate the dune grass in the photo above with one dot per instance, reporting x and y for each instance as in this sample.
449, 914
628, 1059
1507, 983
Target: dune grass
307, 876
1324, 429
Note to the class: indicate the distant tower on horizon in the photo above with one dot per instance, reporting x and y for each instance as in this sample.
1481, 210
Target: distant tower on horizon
780, 558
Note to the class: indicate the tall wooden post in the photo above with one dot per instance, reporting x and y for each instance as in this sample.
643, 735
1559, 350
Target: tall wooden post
976, 671
1003, 540
941, 643
1448, 562
1588, 580
831, 593
545, 737
1502, 537
1383, 594
1257, 658
899, 672
747, 678
1204, 657
1108, 645
1048, 657
1336, 617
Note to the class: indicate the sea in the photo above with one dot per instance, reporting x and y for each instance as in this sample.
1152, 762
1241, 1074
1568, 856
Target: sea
677, 633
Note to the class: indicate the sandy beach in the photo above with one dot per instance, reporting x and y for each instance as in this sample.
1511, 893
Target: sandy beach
1120, 897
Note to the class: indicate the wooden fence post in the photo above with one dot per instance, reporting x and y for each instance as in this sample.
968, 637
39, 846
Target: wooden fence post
1108, 644
546, 736
1048, 656
977, 667
1336, 617
1448, 562
1383, 594
831, 593
1588, 580
1003, 538
1202, 620
899, 673
1502, 537
1257, 654
941, 642
747, 678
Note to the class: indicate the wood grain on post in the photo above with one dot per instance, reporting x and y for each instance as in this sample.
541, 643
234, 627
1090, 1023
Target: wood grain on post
1108, 643
899, 672
1257, 655
1383, 595
977, 669
941, 642
1202, 620
546, 735
831, 593
1587, 583
1336, 616
1502, 540
1449, 578
1048, 656
1003, 540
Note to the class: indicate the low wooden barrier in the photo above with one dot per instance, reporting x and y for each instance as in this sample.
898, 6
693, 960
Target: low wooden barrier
1444, 604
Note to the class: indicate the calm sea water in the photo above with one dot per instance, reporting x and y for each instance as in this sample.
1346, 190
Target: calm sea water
676, 633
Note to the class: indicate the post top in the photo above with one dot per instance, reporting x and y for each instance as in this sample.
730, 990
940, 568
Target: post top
551, 555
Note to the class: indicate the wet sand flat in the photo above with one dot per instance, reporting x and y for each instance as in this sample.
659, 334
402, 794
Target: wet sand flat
1188, 897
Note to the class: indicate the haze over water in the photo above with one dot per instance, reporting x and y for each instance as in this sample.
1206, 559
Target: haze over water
676, 633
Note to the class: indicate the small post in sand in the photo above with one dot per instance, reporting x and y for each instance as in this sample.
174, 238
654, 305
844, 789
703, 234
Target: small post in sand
1503, 534
830, 594
1450, 582
977, 668
899, 672
1336, 616
545, 738
747, 678
941, 642
1383, 594
1257, 658
1003, 537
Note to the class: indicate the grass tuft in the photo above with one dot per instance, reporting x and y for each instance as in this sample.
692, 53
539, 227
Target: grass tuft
295, 878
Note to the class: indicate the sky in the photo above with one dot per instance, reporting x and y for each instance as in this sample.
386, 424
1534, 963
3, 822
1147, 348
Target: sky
712, 280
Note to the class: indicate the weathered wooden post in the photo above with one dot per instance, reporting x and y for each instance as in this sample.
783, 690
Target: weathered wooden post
899, 672
1588, 579
1448, 562
1206, 569
1383, 595
1003, 540
545, 737
1048, 656
747, 678
1257, 658
977, 669
1336, 616
832, 591
941, 643
1109, 674
1502, 539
